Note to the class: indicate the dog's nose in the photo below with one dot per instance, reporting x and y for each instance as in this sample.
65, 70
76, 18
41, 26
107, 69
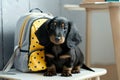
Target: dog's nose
57, 39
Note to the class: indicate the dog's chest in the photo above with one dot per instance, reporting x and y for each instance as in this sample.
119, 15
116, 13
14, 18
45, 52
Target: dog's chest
57, 49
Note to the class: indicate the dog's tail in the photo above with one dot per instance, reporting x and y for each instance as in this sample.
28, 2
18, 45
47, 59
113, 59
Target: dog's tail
87, 68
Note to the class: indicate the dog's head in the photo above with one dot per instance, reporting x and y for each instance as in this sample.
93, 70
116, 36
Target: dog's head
60, 30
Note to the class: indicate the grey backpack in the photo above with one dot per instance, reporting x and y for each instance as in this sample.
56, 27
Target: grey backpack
28, 54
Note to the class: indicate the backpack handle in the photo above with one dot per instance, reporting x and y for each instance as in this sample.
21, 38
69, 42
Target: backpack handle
36, 9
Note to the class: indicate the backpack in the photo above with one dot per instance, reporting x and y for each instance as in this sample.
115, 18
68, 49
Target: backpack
28, 54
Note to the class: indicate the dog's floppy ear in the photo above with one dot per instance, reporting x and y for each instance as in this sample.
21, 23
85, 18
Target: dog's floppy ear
42, 34
73, 38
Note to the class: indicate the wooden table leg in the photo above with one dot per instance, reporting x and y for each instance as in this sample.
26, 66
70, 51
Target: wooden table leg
88, 37
115, 24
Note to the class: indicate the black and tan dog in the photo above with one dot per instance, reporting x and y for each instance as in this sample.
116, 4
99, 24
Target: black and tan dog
61, 47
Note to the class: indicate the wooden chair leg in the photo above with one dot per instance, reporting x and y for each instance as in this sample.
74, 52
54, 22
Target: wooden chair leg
88, 79
97, 78
88, 37
115, 24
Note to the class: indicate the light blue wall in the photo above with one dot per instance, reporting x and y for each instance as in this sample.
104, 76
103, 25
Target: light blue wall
101, 39
11, 11
48, 6
1, 48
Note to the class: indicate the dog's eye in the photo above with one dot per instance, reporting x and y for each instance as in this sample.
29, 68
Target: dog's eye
63, 25
55, 23
52, 27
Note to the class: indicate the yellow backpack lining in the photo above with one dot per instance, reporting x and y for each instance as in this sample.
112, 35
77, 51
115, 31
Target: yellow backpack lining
37, 58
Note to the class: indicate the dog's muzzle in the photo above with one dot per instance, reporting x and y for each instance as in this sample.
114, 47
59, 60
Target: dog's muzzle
57, 39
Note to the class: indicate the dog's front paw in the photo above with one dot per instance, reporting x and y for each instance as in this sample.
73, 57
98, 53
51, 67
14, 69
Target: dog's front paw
76, 69
50, 73
66, 74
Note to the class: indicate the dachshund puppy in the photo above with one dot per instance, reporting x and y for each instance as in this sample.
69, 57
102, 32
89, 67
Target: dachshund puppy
61, 41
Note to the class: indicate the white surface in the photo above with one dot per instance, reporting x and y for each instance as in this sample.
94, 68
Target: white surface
39, 76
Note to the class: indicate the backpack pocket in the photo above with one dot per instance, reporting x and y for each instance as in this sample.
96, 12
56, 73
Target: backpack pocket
36, 60
21, 61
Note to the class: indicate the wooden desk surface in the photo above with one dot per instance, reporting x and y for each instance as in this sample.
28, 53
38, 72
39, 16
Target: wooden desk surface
95, 5
100, 4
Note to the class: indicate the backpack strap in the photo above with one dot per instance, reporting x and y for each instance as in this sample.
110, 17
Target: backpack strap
9, 64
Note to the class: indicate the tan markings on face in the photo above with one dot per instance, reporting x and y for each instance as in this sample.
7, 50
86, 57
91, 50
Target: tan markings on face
52, 39
65, 56
55, 23
63, 25
49, 55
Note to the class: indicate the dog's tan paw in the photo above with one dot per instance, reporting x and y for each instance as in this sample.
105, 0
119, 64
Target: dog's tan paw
50, 73
66, 74
76, 69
